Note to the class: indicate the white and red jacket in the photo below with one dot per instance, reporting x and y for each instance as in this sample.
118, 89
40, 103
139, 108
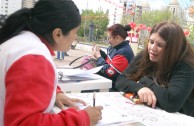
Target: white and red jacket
28, 84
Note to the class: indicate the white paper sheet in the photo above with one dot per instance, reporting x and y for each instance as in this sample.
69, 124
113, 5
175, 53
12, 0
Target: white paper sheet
111, 113
117, 111
78, 74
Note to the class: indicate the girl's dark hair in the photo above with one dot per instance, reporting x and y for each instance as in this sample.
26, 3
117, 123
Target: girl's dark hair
118, 29
177, 49
42, 19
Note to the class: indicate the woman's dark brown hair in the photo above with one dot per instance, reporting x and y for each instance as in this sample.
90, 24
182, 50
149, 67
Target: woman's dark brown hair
177, 49
118, 29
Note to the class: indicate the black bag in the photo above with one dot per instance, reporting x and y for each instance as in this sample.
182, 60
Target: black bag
87, 62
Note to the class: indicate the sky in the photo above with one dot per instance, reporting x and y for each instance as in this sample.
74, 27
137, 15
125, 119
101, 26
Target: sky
95, 4
158, 3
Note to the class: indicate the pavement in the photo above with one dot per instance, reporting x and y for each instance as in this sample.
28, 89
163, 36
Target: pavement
79, 50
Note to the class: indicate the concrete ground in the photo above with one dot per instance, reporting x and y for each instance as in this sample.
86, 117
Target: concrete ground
79, 50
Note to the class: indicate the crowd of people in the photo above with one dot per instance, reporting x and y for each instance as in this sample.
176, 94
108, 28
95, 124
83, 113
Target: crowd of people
162, 74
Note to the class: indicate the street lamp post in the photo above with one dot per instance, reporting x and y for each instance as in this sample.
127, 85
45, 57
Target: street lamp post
96, 34
85, 20
91, 31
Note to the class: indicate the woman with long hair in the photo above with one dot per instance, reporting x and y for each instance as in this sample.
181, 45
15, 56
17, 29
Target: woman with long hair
163, 73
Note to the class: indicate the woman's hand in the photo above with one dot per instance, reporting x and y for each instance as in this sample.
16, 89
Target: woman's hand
62, 100
147, 96
96, 51
94, 113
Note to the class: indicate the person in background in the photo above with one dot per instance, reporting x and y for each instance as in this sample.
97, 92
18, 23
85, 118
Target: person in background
28, 81
118, 56
162, 74
61, 55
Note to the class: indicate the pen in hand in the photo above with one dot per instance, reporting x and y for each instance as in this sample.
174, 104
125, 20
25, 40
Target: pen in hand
94, 99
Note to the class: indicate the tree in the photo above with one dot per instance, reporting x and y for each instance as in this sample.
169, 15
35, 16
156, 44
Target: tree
100, 21
156, 16
150, 18
190, 37
126, 18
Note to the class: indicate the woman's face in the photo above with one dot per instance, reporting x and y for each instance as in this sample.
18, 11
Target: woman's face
111, 39
156, 47
66, 41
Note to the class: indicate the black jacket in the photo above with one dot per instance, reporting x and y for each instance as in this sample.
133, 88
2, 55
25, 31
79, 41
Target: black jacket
178, 96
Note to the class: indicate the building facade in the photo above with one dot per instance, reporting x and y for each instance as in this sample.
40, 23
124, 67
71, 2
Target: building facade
9, 6
28, 3
115, 10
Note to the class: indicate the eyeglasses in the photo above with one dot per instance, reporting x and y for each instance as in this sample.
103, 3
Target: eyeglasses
109, 37
158, 43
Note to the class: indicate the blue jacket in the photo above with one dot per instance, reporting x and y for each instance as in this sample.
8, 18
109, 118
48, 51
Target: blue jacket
115, 61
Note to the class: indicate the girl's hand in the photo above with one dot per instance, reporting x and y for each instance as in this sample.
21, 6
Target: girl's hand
147, 96
62, 100
96, 51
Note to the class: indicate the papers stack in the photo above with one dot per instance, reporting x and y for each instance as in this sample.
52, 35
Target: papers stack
65, 75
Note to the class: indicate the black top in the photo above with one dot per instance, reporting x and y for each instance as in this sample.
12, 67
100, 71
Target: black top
178, 96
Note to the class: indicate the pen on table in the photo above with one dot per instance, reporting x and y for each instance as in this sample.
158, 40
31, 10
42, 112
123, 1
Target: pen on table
94, 99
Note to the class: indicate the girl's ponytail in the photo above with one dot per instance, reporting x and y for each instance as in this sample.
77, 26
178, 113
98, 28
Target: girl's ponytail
15, 23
